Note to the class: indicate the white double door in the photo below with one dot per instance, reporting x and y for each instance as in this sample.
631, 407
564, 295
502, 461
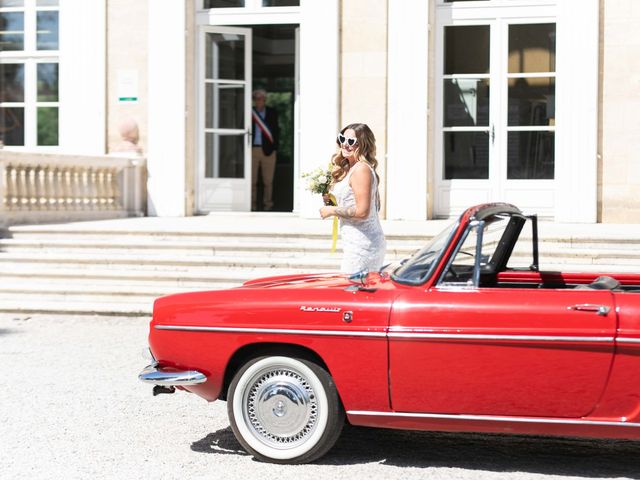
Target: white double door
495, 108
224, 119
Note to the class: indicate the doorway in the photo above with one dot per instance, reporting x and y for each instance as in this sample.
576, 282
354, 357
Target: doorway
495, 120
274, 70
233, 62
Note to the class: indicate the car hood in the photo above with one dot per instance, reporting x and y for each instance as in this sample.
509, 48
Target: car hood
310, 280
283, 291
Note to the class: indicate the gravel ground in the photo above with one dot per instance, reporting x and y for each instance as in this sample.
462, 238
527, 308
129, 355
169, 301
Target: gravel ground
73, 408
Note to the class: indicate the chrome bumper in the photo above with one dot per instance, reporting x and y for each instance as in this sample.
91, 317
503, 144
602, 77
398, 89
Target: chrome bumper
157, 376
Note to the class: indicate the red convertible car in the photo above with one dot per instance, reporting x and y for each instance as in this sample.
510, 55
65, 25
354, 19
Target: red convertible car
468, 334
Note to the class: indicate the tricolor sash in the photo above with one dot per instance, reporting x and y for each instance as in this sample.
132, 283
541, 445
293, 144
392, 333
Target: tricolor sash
257, 119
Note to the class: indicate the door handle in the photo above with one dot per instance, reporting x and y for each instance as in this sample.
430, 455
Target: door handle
493, 133
601, 310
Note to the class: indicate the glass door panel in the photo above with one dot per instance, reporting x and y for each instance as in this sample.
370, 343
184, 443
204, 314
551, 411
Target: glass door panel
280, 3
466, 102
12, 78
531, 101
228, 153
530, 155
223, 3
225, 105
224, 149
466, 155
12, 31
532, 48
466, 93
47, 30
224, 56
466, 49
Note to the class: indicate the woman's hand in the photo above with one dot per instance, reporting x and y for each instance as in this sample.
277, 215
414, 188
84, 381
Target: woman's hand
327, 211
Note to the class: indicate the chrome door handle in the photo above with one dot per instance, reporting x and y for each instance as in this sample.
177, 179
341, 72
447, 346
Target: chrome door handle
590, 307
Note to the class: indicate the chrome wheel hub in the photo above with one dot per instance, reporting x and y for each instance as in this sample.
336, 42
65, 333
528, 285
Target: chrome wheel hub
281, 407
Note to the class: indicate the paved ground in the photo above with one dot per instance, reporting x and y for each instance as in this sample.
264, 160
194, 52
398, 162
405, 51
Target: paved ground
72, 407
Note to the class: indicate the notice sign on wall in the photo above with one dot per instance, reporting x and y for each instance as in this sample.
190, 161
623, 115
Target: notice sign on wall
127, 86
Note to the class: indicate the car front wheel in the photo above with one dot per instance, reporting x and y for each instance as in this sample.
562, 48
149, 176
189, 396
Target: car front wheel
284, 409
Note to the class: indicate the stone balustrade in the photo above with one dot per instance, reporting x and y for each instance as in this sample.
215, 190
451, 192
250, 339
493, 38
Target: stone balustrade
41, 187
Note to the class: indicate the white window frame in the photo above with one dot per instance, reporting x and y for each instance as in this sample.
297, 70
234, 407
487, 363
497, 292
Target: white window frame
30, 57
576, 98
252, 12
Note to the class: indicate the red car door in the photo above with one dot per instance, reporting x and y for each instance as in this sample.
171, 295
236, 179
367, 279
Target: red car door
501, 351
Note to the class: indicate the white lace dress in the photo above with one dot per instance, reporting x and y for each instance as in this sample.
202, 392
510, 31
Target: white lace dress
363, 242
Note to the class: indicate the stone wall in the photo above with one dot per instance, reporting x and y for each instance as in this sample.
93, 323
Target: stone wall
127, 51
619, 178
363, 71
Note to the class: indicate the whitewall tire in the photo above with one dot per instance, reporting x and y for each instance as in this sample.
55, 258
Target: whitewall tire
284, 409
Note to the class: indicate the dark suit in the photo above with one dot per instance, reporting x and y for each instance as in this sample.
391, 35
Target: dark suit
271, 119
264, 159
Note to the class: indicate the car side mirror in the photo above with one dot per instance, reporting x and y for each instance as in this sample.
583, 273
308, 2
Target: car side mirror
359, 281
360, 277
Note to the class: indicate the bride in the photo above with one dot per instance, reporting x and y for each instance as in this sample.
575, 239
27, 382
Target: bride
355, 187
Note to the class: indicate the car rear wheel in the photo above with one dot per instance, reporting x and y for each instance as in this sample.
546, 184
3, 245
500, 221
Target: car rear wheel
284, 409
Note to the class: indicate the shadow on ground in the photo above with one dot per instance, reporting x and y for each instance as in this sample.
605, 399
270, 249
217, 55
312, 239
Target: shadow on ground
222, 442
483, 452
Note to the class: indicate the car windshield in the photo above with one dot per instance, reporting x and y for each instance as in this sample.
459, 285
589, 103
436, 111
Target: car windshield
418, 267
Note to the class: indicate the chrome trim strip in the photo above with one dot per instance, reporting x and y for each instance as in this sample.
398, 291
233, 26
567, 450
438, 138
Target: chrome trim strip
279, 331
628, 340
157, 376
392, 334
490, 418
521, 338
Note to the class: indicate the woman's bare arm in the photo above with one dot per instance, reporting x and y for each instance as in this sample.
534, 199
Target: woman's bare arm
360, 182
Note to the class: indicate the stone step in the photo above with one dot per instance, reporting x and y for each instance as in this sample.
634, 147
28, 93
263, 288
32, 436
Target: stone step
292, 239
160, 276
583, 256
9, 260
125, 291
188, 248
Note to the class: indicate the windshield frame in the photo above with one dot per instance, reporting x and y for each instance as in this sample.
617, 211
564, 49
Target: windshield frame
442, 241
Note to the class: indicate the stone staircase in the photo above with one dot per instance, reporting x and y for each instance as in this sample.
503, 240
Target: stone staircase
118, 267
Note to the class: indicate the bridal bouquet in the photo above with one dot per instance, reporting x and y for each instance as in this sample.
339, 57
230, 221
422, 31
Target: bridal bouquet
318, 180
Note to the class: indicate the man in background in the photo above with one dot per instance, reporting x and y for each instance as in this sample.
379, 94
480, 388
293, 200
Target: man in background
264, 151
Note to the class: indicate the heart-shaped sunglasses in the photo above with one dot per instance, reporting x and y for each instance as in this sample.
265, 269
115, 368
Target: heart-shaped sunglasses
351, 141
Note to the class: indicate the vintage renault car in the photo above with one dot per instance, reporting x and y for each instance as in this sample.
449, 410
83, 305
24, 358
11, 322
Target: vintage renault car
468, 334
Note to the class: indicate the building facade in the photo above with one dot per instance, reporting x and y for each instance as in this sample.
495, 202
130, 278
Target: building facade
531, 102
